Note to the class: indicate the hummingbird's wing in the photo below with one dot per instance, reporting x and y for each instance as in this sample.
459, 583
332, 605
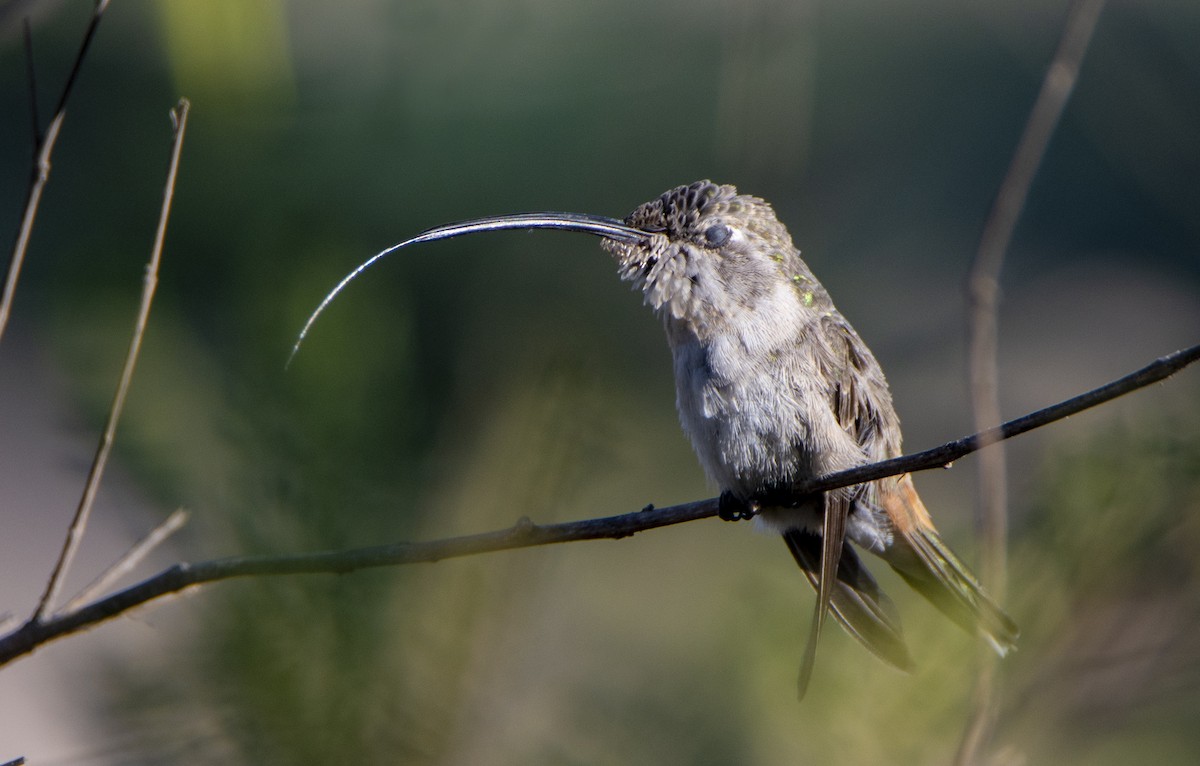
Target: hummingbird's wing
863, 406
931, 568
854, 383
855, 600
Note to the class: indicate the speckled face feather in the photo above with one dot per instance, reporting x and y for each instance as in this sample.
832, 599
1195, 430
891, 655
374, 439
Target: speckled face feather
717, 251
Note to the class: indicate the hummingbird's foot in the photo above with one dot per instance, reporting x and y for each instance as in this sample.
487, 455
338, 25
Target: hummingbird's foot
730, 507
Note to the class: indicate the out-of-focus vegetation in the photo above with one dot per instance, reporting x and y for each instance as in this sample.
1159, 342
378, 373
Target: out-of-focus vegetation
458, 387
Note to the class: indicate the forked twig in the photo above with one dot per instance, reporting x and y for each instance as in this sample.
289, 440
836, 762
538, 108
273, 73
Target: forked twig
984, 296
83, 511
43, 148
127, 562
526, 534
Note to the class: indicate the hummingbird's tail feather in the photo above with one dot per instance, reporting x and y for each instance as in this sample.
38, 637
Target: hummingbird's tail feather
927, 564
855, 601
833, 541
932, 569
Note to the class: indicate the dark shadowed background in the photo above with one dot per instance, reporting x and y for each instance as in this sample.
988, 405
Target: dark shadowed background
459, 386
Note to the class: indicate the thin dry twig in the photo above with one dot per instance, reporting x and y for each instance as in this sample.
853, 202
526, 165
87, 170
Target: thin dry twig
526, 534
984, 281
128, 561
83, 511
984, 294
43, 148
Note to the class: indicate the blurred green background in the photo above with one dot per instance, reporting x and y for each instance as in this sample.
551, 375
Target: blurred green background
459, 386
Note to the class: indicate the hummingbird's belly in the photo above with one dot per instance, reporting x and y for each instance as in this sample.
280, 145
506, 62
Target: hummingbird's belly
749, 431
760, 430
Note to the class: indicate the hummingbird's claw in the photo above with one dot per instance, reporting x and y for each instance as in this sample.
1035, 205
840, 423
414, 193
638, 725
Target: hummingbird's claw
730, 507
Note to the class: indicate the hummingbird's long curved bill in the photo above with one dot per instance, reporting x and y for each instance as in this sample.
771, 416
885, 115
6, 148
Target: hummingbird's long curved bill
601, 226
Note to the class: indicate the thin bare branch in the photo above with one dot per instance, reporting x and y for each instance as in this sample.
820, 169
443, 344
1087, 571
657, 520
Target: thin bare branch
101, 6
984, 286
83, 511
526, 534
43, 148
984, 294
128, 561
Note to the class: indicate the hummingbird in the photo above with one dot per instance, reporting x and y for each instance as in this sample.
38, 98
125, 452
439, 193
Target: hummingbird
773, 388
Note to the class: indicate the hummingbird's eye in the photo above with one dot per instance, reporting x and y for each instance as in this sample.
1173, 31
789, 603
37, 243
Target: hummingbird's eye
717, 235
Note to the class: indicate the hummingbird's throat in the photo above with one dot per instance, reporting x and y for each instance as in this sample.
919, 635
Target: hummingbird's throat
660, 270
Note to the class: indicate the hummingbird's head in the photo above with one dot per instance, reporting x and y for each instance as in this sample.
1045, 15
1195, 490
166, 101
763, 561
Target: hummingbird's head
712, 253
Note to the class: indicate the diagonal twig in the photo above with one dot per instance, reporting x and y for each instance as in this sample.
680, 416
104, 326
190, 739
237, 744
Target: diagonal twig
526, 534
984, 294
43, 148
127, 562
83, 511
